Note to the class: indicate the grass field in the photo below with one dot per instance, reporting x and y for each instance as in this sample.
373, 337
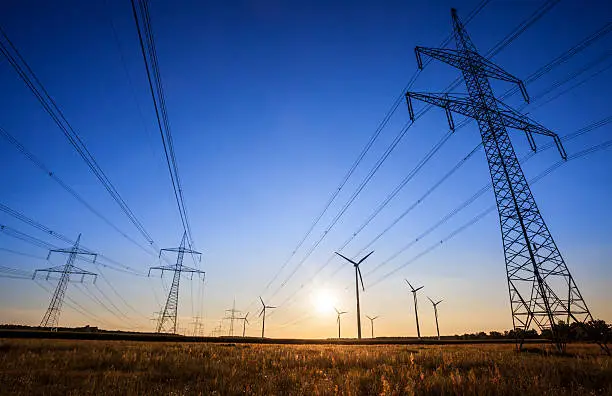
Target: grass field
66, 367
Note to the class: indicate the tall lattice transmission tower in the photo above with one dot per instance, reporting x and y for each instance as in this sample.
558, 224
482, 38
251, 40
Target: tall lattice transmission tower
167, 319
542, 290
51, 317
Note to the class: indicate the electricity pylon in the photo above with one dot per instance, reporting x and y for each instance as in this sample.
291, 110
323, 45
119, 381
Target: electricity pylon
435, 307
339, 313
231, 318
372, 319
197, 325
541, 288
167, 319
416, 310
358, 278
51, 317
263, 312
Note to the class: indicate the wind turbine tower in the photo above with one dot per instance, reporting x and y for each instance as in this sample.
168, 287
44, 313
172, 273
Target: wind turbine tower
263, 312
435, 307
372, 323
339, 313
358, 278
245, 320
51, 317
416, 310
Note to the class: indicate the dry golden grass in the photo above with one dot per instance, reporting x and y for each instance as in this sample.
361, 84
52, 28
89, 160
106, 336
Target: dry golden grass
59, 367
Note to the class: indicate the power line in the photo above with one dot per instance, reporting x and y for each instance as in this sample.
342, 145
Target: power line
50, 106
581, 131
57, 235
589, 128
149, 54
599, 147
360, 157
40, 165
507, 40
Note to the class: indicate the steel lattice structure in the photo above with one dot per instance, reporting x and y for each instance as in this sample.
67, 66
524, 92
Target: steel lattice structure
542, 290
51, 317
167, 319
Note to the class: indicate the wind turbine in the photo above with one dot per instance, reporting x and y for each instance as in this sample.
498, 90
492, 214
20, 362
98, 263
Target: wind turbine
338, 319
245, 320
435, 306
372, 323
263, 311
416, 313
358, 277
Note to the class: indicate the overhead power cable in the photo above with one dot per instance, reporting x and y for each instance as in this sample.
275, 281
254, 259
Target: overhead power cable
590, 150
33, 223
149, 54
589, 128
495, 50
8, 49
40, 165
546, 146
507, 40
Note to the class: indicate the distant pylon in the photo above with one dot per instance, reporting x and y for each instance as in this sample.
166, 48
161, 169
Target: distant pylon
541, 288
51, 317
232, 317
167, 319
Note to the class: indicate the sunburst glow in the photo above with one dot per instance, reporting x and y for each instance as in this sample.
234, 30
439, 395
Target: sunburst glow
324, 301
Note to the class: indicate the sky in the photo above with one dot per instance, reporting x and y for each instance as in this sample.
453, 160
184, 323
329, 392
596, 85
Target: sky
270, 103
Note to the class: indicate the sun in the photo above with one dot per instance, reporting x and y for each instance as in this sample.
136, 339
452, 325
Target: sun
324, 301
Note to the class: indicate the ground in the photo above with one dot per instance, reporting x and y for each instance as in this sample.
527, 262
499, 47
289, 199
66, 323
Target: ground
79, 367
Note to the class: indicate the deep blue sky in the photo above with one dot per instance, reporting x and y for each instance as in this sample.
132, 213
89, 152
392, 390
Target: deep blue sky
270, 102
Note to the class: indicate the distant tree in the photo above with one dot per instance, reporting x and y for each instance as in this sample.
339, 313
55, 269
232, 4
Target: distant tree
600, 332
495, 334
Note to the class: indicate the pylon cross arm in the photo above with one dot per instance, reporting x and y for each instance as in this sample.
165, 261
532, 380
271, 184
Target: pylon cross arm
469, 61
463, 105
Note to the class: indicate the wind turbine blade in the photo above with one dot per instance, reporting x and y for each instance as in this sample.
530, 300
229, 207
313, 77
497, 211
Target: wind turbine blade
439, 302
262, 311
375, 317
366, 256
409, 284
360, 278
346, 258
336, 309
270, 307
343, 312
432, 301
368, 316
262, 303
419, 288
